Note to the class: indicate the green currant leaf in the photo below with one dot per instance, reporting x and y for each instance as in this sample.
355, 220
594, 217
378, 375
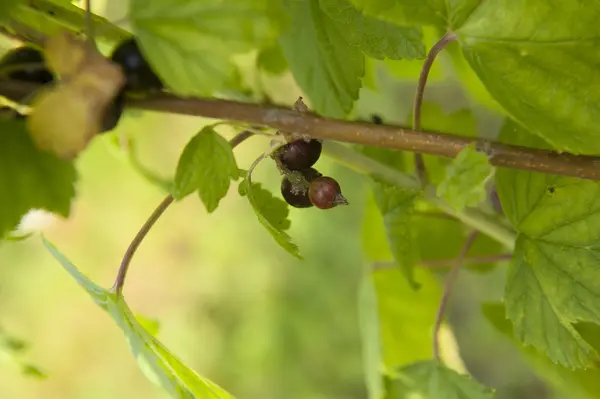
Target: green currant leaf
207, 165
377, 39
424, 12
157, 363
431, 380
580, 383
272, 60
190, 44
31, 179
56, 16
6, 6
325, 66
272, 213
552, 281
464, 185
396, 206
544, 71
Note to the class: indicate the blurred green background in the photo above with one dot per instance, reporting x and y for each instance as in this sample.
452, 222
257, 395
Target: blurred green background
230, 302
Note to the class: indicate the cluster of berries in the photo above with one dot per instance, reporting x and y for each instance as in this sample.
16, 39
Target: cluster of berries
27, 64
302, 185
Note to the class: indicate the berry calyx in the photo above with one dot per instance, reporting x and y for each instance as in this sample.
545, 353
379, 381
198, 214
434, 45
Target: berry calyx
138, 73
300, 154
113, 113
324, 192
26, 64
294, 194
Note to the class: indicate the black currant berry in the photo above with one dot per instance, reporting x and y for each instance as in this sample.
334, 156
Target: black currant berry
138, 73
294, 196
113, 113
300, 154
325, 193
376, 119
25, 64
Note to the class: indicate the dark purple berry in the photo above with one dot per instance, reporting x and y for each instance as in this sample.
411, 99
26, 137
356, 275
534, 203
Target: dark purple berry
113, 113
376, 119
27, 65
295, 196
300, 154
325, 193
139, 75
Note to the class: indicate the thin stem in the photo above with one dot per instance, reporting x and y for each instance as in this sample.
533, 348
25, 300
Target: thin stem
444, 263
145, 229
448, 38
447, 290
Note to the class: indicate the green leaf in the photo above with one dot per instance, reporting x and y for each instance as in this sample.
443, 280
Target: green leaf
159, 365
324, 65
544, 71
577, 384
375, 38
207, 165
272, 60
11, 352
423, 12
396, 206
272, 213
552, 281
30, 179
464, 185
6, 6
190, 44
431, 380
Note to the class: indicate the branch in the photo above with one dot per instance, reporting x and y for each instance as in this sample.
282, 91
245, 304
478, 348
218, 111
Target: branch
383, 136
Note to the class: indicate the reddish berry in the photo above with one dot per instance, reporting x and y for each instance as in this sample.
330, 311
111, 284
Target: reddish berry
325, 193
300, 154
293, 195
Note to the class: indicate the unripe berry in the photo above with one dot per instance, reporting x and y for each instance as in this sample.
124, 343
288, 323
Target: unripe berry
324, 192
300, 154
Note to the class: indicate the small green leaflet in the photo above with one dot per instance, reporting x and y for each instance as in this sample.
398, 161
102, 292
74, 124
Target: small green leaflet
272, 60
325, 66
581, 384
544, 72
157, 363
396, 206
431, 380
553, 281
11, 352
272, 213
206, 165
377, 39
464, 184
43, 182
190, 43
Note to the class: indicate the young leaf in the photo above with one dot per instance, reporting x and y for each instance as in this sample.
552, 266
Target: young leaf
272, 213
431, 380
207, 165
377, 39
574, 383
543, 72
396, 206
159, 365
552, 281
190, 44
271, 60
465, 179
30, 179
325, 66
